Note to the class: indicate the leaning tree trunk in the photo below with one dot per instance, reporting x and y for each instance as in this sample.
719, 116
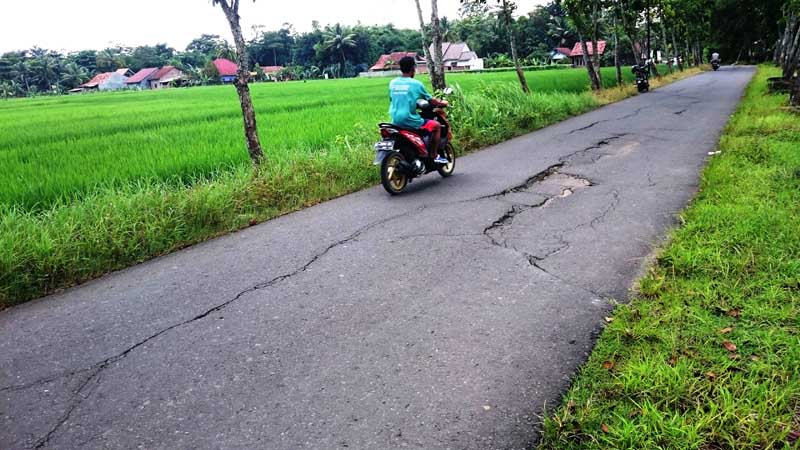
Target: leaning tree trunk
437, 75
792, 57
512, 41
242, 88
425, 43
589, 65
786, 39
595, 48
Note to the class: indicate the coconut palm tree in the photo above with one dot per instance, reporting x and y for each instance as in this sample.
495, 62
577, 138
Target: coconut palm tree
336, 42
73, 75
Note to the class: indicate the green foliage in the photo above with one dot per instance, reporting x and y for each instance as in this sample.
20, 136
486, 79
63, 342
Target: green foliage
664, 373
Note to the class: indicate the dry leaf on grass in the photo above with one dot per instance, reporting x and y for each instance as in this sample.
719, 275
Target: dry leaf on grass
604, 427
726, 330
711, 376
729, 346
733, 313
608, 365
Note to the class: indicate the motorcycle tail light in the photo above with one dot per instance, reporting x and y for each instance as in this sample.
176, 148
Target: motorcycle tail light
384, 132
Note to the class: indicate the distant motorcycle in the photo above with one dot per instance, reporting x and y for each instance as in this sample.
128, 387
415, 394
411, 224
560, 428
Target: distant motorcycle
715, 65
642, 74
404, 153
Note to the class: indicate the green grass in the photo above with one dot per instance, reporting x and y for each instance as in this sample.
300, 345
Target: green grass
661, 376
96, 183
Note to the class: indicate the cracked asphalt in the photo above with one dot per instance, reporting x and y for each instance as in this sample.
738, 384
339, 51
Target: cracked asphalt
445, 318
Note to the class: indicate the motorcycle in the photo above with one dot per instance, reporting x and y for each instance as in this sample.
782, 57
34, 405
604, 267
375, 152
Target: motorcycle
405, 154
642, 74
715, 65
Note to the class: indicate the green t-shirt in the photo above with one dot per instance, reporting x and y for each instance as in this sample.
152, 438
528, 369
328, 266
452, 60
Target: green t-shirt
404, 93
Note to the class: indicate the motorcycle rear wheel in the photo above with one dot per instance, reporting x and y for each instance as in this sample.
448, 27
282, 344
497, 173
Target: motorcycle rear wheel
391, 178
448, 169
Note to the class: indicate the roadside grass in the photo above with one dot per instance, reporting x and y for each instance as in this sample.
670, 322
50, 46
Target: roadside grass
707, 354
83, 225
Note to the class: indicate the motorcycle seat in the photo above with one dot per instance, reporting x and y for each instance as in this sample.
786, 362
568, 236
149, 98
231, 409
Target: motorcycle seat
398, 127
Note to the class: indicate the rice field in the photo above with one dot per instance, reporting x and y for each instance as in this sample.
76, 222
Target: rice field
56, 150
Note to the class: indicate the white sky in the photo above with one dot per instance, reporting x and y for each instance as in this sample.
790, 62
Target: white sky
68, 25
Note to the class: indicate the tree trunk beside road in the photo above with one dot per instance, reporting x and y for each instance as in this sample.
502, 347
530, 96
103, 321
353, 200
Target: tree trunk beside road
231, 11
437, 75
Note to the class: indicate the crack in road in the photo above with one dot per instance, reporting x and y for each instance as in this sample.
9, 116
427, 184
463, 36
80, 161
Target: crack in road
98, 368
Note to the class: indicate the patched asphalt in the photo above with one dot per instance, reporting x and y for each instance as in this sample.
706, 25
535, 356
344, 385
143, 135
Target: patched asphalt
445, 318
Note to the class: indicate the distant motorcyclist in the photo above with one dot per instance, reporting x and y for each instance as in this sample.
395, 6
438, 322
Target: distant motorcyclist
715, 57
404, 91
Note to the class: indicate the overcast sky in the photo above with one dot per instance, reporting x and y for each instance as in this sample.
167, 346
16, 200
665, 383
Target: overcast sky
68, 25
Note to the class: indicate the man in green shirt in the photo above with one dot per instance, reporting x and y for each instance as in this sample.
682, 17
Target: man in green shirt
404, 91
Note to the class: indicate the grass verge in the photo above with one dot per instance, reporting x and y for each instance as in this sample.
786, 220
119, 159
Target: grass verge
70, 242
707, 354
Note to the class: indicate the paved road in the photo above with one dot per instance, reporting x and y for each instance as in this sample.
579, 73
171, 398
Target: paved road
446, 318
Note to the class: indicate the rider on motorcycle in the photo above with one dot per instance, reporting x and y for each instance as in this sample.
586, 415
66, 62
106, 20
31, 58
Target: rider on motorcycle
404, 91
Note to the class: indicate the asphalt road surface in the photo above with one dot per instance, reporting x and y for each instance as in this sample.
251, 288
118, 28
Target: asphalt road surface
445, 318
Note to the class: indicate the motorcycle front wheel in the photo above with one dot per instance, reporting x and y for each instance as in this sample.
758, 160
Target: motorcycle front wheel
447, 169
391, 178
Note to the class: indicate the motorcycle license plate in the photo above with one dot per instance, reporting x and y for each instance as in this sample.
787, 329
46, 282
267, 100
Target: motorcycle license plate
382, 149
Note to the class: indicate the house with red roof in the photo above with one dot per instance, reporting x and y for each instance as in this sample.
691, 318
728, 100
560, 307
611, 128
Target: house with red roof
226, 69
577, 52
560, 53
271, 72
107, 81
141, 79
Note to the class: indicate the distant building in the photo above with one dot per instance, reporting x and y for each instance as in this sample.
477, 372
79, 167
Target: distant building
125, 72
271, 72
577, 52
141, 79
457, 56
227, 69
391, 62
107, 81
165, 77
560, 53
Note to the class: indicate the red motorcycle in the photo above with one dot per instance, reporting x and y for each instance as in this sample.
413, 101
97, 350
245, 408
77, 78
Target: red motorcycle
404, 153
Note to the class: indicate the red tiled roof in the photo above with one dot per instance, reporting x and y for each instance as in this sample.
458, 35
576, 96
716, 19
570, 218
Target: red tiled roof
578, 49
99, 78
161, 72
564, 51
391, 60
225, 67
271, 69
141, 75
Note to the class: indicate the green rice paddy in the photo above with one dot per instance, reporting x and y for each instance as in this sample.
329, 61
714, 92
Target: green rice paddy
56, 150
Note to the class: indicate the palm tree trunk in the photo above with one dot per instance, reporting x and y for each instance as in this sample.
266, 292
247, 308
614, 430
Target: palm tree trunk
242, 88
343, 65
437, 75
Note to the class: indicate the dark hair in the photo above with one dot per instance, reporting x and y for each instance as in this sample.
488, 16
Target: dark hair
407, 64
